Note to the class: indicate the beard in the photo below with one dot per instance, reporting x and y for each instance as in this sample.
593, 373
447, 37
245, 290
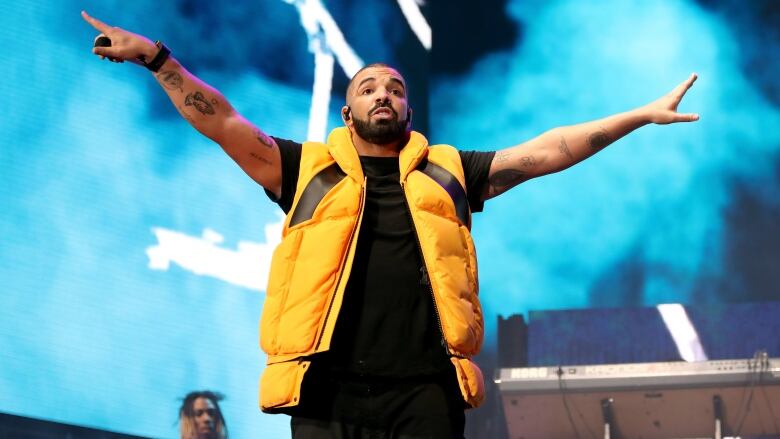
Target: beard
382, 131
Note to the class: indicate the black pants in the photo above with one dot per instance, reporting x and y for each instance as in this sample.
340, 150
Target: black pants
363, 408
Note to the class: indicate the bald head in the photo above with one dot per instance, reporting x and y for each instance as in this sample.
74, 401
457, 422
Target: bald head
366, 72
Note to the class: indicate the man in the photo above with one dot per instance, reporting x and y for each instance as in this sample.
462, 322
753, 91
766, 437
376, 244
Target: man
200, 416
371, 314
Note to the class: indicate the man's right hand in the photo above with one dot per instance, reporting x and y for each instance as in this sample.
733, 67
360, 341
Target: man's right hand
125, 46
205, 108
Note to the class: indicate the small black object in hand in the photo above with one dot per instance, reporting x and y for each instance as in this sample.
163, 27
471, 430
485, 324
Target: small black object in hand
102, 41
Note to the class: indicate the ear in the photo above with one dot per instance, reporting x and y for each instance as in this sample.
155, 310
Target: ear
408, 117
346, 114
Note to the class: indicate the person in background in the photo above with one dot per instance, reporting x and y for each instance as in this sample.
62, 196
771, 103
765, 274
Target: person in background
200, 416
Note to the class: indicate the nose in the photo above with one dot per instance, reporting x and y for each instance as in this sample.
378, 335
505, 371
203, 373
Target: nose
382, 95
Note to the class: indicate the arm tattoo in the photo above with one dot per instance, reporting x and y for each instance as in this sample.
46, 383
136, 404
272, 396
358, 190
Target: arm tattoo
564, 148
171, 80
200, 103
264, 139
502, 156
505, 178
599, 139
261, 158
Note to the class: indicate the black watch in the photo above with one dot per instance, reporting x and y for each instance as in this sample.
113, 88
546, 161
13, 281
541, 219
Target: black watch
159, 59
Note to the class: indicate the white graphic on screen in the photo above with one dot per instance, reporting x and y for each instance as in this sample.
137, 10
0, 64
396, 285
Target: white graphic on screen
247, 266
325, 40
416, 20
682, 331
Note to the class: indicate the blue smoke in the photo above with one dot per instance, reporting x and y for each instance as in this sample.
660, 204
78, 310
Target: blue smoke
644, 218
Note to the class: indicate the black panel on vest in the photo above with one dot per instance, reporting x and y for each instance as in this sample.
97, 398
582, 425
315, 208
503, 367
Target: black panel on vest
315, 191
450, 184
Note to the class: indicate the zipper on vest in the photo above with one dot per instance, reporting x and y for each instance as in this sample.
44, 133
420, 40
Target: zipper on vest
344, 259
425, 272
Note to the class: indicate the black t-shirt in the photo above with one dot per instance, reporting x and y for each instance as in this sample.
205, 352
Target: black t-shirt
387, 325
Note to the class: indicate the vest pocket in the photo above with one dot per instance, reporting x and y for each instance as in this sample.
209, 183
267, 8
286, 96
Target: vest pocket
471, 381
312, 284
280, 384
282, 267
474, 313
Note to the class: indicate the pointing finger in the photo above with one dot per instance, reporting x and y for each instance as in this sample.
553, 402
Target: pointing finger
681, 89
97, 24
689, 82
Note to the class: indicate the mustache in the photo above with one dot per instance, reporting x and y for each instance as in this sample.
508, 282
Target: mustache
382, 105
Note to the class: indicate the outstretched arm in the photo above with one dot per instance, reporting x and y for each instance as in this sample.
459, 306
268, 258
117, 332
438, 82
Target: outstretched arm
562, 147
205, 108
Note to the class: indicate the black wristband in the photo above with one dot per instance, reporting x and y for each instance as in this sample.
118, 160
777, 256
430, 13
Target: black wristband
159, 59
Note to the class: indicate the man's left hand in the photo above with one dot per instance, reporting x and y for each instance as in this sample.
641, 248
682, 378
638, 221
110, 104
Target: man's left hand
664, 110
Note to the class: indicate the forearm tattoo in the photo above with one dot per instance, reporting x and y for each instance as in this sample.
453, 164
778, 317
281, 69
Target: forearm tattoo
171, 80
599, 139
260, 158
502, 156
200, 103
564, 148
264, 139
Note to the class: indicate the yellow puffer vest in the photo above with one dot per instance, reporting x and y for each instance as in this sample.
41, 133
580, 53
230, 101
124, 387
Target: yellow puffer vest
311, 266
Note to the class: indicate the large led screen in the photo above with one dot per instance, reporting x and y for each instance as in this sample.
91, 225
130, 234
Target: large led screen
134, 252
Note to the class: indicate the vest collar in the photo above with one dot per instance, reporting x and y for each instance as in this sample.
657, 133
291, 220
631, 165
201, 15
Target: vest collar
342, 149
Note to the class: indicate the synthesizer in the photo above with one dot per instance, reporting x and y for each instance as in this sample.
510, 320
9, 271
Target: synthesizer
643, 400
639, 375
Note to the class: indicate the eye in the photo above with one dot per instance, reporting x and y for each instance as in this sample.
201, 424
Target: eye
396, 92
367, 91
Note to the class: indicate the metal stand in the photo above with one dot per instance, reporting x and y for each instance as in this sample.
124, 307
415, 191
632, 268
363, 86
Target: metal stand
717, 409
606, 412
